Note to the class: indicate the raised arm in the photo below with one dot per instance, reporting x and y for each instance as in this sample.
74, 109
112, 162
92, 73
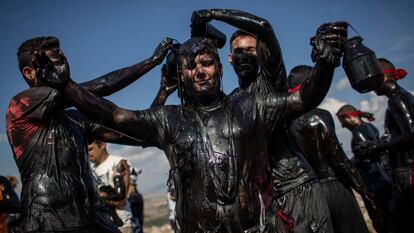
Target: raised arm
268, 49
137, 124
168, 80
326, 53
53, 101
209, 31
118, 79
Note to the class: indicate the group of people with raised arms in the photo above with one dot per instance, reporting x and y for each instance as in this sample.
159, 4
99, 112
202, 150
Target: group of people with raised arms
260, 159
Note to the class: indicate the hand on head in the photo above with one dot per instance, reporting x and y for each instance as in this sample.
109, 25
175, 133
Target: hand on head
162, 50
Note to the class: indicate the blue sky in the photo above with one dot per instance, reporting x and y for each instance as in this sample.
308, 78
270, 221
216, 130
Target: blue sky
100, 36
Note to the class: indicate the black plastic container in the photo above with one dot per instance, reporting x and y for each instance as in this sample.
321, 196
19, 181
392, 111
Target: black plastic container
171, 62
209, 31
361, 66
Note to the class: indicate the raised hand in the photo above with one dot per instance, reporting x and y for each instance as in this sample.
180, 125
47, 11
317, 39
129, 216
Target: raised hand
370, 116
171, 62
162, 50
200, 17
169, 83
54, 74
328, 42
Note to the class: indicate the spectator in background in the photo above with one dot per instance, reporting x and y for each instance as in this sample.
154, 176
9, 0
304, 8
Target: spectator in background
13, 219
9, 204
13, 181
136, 200
171, 198
112, 175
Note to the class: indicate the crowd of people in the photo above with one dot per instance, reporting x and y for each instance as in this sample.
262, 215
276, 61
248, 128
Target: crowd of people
263, 158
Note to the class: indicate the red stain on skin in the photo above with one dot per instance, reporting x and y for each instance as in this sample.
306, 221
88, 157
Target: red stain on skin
18, 151
20, 130
29, 129
14, 109
25, 101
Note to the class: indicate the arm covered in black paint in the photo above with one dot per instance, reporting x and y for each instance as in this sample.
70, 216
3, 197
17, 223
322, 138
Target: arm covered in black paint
118, 79
106, 134
404, 140
105, 85
160, 98
166, 89
326, 52
368, 145
95, 131
370, 149
204, 29
167, 86
137, 124
268, 48
145, 126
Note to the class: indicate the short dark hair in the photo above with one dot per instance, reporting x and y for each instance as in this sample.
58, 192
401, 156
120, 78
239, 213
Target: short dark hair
237, 34
344, 109
298, 74
97, 142
386, 63
197, 45
26, 51
189, 50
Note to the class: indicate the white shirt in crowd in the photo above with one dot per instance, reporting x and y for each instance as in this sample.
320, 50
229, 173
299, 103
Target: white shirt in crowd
104, 174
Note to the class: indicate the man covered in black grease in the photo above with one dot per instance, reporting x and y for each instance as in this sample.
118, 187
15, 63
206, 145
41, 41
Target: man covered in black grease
399, 120
368, 149
49, 143
257, 60
217, 140
314, 133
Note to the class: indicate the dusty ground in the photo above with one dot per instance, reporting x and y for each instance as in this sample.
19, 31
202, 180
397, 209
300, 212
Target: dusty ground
364, 212
156, 214
162, 229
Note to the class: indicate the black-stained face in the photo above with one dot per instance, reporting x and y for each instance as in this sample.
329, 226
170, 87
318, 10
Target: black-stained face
350, 121
56, 57
201, 77
388, 79
244, 56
